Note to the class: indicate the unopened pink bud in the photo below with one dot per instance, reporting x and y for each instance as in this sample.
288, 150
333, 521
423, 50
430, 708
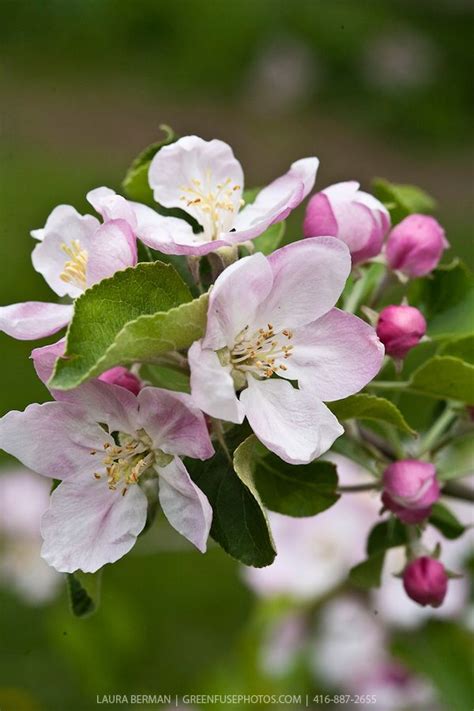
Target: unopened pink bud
410, 489
355, 217
415, 245
400, 328
425, 581
123, 377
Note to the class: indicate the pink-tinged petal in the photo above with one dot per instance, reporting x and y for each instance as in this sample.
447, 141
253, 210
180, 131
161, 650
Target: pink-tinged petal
73, 232
212, 387
319, 220
34, 319
170, 235
109, 404
275, 202
377, 208
338, 355
44, 359
54, 439
88, 525
308, 278
112, 206
57, 217
113, 248
174, 423
185, 173
235, 298
293, 423
185, 506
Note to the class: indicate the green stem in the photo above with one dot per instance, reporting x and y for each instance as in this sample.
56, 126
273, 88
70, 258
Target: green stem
394, 440
388, 385
355, 296
437, 429
369, 486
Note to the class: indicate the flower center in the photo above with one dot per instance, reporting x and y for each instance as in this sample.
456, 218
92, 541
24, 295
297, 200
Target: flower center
126, 462
263, 352
216, 203
74, 271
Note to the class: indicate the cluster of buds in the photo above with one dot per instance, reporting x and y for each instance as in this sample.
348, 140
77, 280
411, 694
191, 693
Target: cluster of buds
413, 248
410, 488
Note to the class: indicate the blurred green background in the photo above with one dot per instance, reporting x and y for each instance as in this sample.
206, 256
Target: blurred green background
372, 88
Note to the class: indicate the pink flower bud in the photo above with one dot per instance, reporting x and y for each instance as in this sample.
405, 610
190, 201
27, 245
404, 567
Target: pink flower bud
400, 328
425, 581
123, 377
355, 217
415, 245
410, 489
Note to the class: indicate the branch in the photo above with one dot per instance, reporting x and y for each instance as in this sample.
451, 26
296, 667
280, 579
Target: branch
458, 491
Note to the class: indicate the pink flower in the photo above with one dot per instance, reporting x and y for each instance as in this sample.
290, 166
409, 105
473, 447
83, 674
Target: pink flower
400, 328
274, 317
415, 245
410, 489
123, 377
344, 211
204, 179
316, 553
24, 498
110, 449
425, 581
73, 252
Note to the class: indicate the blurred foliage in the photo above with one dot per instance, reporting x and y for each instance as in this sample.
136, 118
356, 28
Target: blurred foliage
411, 52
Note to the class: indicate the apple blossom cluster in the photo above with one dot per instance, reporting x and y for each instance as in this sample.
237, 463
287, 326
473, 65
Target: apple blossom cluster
211, 360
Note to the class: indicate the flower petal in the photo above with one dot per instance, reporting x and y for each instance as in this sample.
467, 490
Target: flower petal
112, 206
212, 387
185, 506
293, 423
54, 439
44, 359
235, 298
338, 355
113, 248
55, 219
174, 423
275, 202
185, 173
88, 525
170, 235
308, 278
34, 319
105, 403
49, 258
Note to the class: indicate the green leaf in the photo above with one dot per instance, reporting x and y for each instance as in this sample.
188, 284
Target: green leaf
462, 348
455, 460
82, 604
441, 651
445, 378
446, 299
296, 490
133, 316
239, 522
446, 522
402, 200
270, 239
135, 183
387, 534
370, 407
165, 377
368, 574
